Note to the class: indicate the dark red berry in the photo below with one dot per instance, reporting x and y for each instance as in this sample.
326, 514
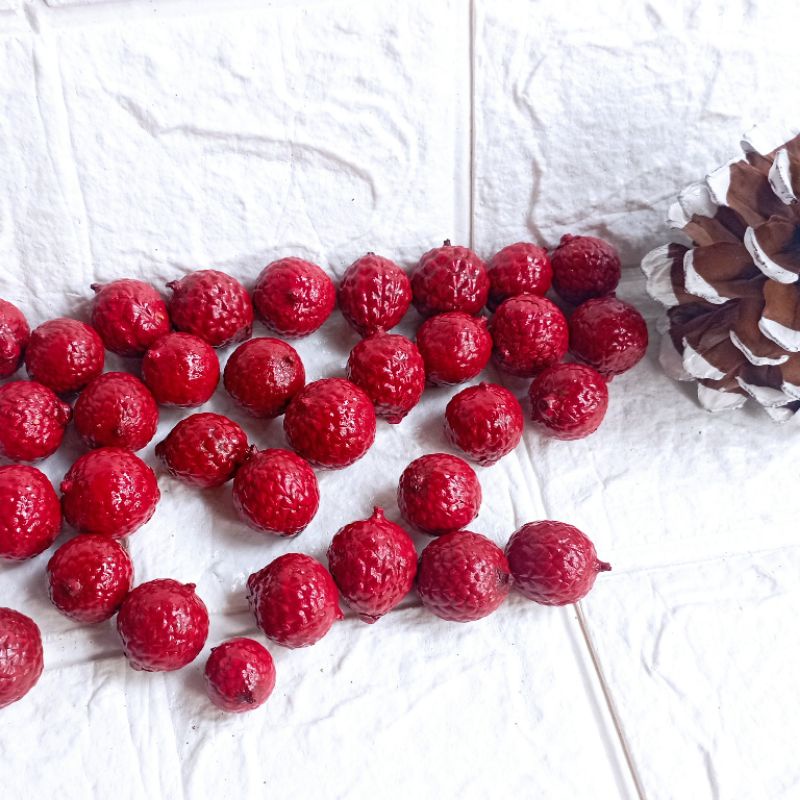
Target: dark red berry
32, 421
181, 370
240, 675
14, 336
30, 513
520, 268
454, 346
584, 267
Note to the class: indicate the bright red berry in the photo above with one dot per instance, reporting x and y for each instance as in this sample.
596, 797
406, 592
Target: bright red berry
163, 625
463, 576
240, 675
14, 336
30, 513
294, 600
32, 421
585, 267
21, 656
373, 562
454, 346
181, 370
520, 268
485, 422
88, 577
553, 563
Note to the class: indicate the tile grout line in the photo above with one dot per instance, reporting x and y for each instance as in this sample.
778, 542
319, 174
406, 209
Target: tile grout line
472, 28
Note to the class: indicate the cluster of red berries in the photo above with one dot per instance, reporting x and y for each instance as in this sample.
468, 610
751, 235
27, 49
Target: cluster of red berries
109, 492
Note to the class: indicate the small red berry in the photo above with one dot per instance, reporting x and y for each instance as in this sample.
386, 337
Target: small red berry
21, 657
454, 346
14, 336
181, 370
240, 675
520, 268
30, 513
32, 421
585, 267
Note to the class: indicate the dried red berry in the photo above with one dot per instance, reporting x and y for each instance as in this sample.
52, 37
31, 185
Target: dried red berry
21, 657
181, 370
584, 267
32, 421
520, 268
240, 675
30, 513
455, 347
14, 336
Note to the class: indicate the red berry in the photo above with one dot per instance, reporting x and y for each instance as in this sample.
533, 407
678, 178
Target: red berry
293, 297
21, 657
109, 491
276, 491
32, 421
485, 422
163, 625
373, 562
14, 335
116, 410
607, 334
240, 675
88, 577
294, 600
449, 278
520, 268
263, 375
129, 315
330, 423
553, 563
439, 493
64, 354
390, 369
569, 401
30, 514
213, 306
204, 450
530, 333
463, 577
585, 267
181, 370
374, 294
454, 346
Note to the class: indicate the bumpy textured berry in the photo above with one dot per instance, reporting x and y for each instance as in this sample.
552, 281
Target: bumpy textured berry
21, 656
212, 305
14, 335
263, 375
485, 422
454, 346
116, 410
331, 423
463, 577
109, 491
181, 370
439, 493
553, 563
374, 294
64, 354
30, 513
204, 450
520, 268
373, 562
163, 625
568, 401
390, 369
276, 491
585, 267
240, 675
88, 577
294, 600
32, 421
293, 297
449, 278
529, 333
129, 315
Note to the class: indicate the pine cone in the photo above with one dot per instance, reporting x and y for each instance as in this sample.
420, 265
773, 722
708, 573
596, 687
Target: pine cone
733, 297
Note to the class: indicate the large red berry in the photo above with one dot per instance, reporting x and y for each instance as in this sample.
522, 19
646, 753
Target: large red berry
520, 268
449, 278
30, 514
32, 421
163, 625
294, 600
64, 354
181, 370
373, 562
212, 305
293, 297
568, 401
21, 656
331, 423
240, 675
263, 375
204, 450
585, 267
129, 315
439, 493
276, 491
14, 335
529, 333
109, 491
607, 334
374, 294
88, 577
454, 346
463, 576
390, 369
553, 563
116, 410
484, 421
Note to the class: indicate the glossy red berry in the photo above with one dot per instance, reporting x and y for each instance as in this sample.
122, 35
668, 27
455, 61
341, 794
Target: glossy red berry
30, 513
454, 346
21, 656
240, 675
181, 370
520, 268
584, 267
32, 421
14, 335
